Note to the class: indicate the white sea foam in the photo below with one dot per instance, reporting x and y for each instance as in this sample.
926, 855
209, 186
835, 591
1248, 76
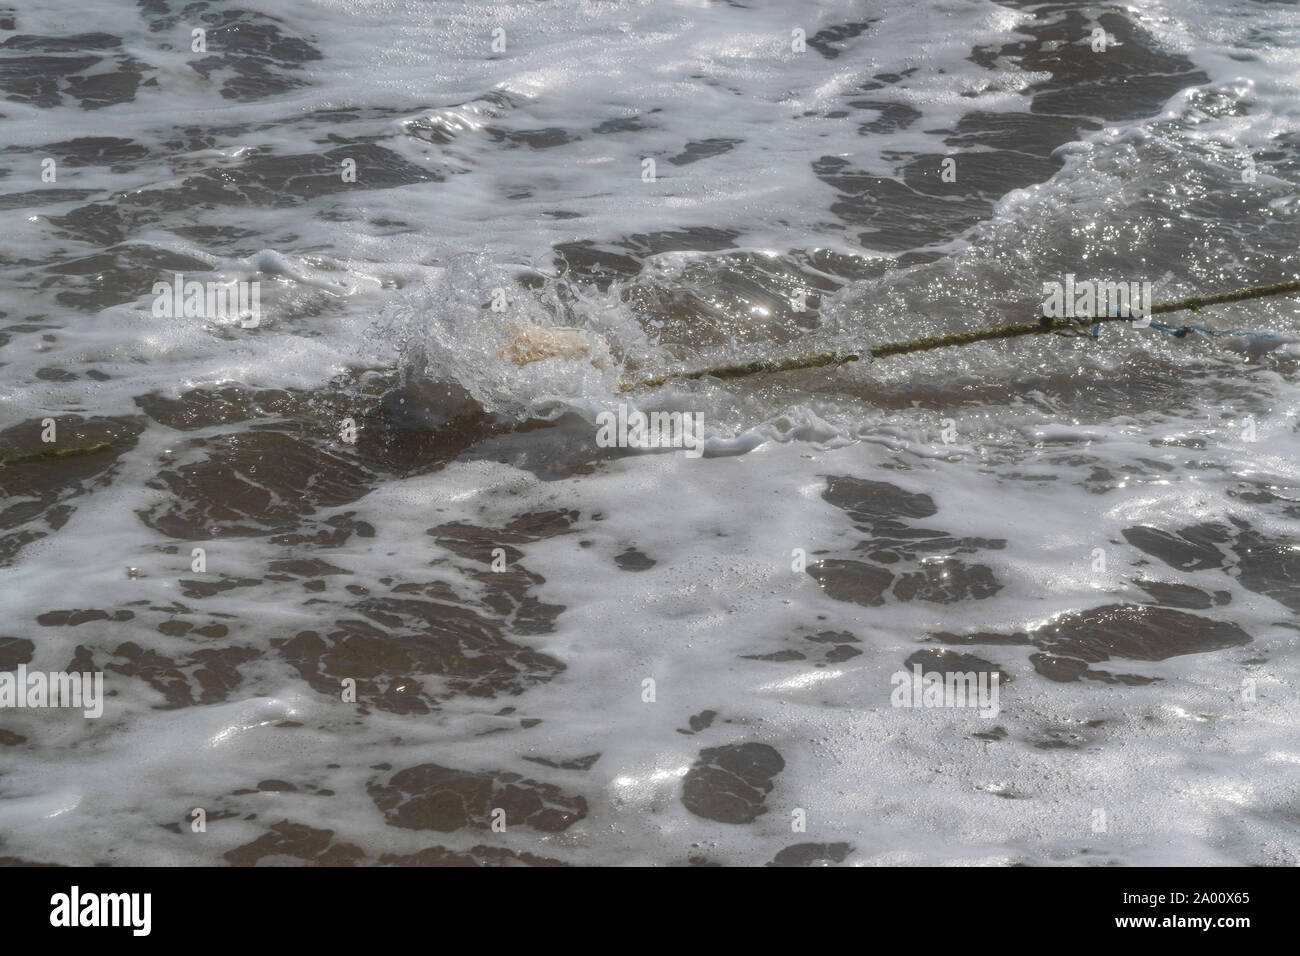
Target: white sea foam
397, 278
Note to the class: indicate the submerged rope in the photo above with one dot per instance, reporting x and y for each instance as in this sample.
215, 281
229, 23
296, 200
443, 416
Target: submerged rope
1043, 325
48, 454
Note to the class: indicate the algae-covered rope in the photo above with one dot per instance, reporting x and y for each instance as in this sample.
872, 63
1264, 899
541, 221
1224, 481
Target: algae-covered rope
1044, 324
50, 454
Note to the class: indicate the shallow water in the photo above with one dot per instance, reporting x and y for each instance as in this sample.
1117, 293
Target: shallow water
1110, 527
